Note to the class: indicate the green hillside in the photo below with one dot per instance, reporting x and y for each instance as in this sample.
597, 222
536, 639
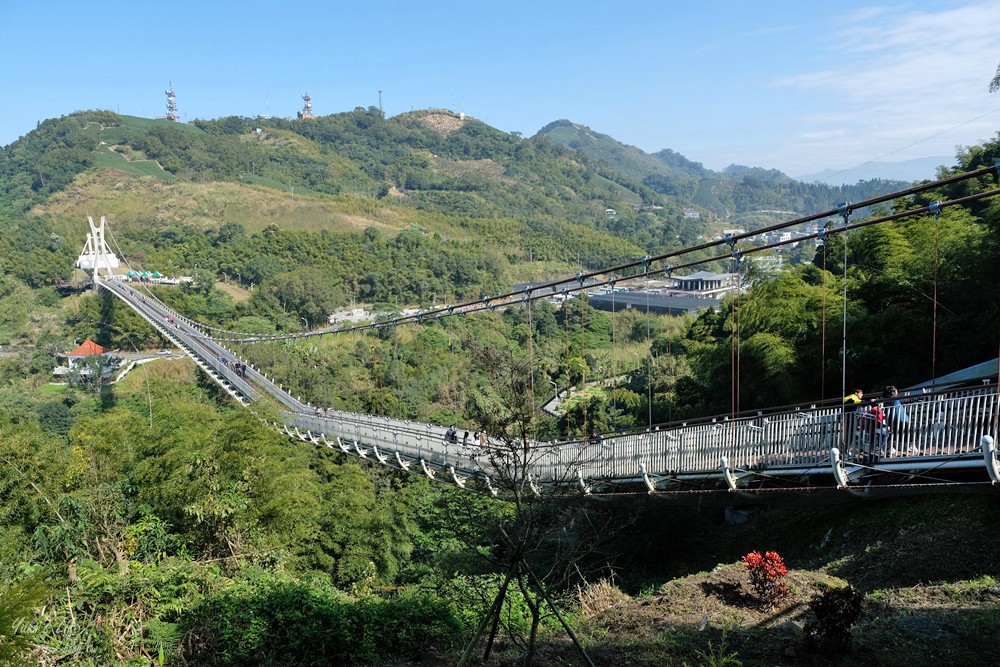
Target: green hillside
742, 196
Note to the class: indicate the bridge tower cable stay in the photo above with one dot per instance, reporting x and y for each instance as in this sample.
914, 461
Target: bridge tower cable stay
97, 257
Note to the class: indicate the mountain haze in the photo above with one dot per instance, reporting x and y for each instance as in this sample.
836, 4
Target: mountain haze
917, 169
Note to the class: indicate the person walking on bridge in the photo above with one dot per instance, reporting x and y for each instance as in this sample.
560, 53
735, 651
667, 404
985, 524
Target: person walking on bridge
850, 426
852, 401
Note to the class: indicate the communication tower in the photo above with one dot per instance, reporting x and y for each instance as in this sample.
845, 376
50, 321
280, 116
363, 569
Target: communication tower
307, 108
171, 104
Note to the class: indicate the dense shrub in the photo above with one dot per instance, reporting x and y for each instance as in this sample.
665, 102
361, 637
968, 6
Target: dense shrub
311, 623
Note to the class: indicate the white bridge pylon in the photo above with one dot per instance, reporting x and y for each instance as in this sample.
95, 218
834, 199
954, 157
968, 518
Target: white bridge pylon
96, 255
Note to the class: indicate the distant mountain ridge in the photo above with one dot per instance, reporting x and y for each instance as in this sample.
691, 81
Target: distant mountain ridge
740, 195
917, 169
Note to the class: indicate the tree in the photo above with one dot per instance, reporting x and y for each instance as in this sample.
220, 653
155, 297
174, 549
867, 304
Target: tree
995, 83
530, 518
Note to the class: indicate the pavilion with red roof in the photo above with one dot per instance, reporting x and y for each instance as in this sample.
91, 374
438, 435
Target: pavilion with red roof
86, 349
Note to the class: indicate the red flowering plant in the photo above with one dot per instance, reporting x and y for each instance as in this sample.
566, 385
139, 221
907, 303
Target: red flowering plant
766, 574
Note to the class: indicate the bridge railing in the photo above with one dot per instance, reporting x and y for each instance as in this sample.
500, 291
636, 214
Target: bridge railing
940, 425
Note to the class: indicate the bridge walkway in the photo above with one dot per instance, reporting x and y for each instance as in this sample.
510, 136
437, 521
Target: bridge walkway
949, 440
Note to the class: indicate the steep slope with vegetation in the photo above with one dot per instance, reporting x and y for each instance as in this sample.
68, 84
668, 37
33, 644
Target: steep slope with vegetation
747, 197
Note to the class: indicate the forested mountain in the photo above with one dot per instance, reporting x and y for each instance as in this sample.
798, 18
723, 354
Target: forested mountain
458, 185
742, 196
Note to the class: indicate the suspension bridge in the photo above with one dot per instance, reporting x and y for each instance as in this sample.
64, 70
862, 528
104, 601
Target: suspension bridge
812, 452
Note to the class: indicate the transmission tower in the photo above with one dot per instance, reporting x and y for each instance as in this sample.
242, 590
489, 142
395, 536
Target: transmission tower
171, 104
307, 108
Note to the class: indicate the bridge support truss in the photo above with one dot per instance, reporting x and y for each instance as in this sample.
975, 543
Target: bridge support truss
97, 255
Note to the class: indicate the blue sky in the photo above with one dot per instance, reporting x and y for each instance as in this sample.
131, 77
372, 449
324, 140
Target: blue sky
798, 86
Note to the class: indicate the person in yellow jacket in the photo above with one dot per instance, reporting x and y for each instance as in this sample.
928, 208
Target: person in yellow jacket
853, 399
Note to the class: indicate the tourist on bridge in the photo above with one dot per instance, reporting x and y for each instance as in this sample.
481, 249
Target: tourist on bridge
465, 439
873, 424
895, 413
851, 426
852, 401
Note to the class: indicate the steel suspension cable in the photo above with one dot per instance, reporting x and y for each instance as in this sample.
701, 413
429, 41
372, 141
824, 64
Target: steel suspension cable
566, 339
614, 364
649, 362
583, 359
822, 345
531, 366
937, 225
843, 349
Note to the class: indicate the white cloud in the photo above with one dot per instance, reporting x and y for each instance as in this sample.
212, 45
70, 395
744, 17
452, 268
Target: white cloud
893, 80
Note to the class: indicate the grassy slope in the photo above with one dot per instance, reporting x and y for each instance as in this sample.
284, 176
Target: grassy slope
929, 568
127, 198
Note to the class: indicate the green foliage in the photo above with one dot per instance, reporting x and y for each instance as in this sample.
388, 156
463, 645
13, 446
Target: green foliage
55, 416
18, 603
718, 655
268, 620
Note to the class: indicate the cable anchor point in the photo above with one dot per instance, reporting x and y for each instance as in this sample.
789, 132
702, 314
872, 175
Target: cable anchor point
844, 209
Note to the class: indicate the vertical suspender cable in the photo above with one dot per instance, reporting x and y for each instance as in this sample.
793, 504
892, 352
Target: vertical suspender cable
566, 341
845, 211
649, 361
732, 358
583, 355
614, 364
739, 323
822, 344
935, 208
734, 337
398, 373
670, 350
531, 363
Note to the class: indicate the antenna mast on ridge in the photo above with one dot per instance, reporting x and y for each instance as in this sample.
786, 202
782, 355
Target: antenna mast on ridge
307, 108
171, 104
